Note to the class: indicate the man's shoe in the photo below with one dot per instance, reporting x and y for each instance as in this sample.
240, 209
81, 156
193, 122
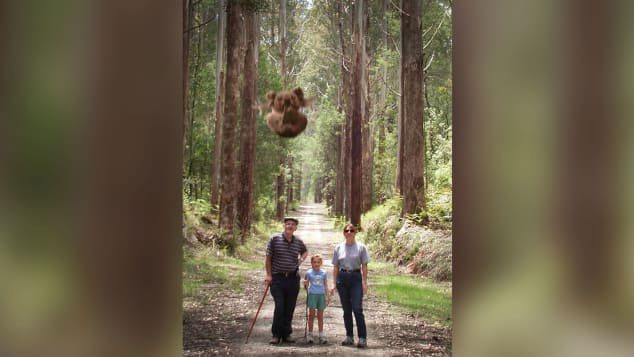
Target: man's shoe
310, 339
349, 341
275, 341
288, 339
362, 343
322, 340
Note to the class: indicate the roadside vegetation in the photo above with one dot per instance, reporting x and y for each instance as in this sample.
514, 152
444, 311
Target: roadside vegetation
428, 299
425, 255
411, 264
207, 263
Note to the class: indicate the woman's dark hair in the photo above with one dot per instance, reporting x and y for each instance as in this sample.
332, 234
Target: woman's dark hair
347, 225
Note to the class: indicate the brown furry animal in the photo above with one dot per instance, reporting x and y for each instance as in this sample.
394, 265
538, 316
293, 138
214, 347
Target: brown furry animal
285, 118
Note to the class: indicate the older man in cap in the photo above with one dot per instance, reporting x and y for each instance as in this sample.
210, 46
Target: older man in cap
284, 254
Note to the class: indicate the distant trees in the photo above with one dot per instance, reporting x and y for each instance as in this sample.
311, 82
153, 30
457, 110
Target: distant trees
380, 72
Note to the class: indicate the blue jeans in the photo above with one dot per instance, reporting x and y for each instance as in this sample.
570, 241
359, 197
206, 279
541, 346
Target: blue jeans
284, 291
351, 296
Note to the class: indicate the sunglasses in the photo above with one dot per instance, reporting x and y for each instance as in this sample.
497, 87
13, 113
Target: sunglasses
349, 231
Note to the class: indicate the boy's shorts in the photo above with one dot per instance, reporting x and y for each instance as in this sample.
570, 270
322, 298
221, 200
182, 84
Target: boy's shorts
317, 301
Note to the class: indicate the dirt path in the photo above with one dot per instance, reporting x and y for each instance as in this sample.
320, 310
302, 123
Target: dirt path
222, 326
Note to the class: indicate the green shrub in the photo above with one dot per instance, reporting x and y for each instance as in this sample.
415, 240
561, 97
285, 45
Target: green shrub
424, 251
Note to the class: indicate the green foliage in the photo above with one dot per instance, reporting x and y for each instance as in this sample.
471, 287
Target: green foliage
193, 212
423, 297
381, 224
319, 151
204, 268
391, 207
194, 209
257, 6
424, 251
434, 260
313, 62
268, 76
339, 222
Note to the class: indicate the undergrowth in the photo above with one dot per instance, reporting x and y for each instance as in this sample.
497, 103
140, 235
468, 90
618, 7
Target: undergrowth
422, 250
207, 263
422, 296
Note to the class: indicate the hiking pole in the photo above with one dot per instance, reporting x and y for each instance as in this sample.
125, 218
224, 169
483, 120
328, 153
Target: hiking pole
256, 314
306, 319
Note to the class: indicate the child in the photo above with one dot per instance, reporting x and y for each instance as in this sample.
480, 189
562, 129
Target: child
317, 284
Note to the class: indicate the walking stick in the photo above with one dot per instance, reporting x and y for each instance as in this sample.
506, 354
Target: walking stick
256, 314
306, 319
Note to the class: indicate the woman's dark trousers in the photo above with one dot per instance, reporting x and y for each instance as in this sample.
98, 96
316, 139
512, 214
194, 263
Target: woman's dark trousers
351, 296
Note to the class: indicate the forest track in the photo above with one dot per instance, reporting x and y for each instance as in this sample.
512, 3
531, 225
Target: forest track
221, 327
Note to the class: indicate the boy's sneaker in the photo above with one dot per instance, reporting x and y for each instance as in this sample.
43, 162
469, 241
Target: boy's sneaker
349, 341
310, 339
362, 343
322, 340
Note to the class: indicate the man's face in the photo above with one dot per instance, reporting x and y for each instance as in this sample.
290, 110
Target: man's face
290, 227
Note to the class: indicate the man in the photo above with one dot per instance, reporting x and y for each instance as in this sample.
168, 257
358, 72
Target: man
284, 254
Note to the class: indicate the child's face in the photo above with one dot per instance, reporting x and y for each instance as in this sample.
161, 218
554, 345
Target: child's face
316, 263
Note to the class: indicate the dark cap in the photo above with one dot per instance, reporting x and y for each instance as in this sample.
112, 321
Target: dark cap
291, 219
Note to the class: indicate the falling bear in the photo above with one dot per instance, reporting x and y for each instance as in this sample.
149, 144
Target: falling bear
285, 118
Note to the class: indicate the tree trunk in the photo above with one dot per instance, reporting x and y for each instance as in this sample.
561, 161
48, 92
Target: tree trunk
229, 176
347, 105
338, 208
188, 11
289, 186
283, 44
191, 115
220, 95
382, 120
356, 165
590, 199
128, 190
366, 133
279, 194
339, 184
280, 201
298, 186
248, 128
399, 131
318, 187
413, 140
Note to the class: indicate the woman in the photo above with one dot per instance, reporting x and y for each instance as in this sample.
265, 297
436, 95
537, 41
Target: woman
350, 273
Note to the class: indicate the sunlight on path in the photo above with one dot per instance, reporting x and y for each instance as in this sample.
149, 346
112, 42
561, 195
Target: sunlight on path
316, 230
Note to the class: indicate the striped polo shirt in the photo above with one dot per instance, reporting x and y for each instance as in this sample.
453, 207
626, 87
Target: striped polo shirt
284, 254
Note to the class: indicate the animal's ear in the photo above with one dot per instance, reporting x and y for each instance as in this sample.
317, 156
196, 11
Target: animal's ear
303, 102
299, 93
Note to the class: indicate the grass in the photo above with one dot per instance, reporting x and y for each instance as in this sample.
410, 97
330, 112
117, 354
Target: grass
422, 296
204, 267
207, 268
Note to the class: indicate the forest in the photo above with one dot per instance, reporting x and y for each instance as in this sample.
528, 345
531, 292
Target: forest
374, 80
379, 128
